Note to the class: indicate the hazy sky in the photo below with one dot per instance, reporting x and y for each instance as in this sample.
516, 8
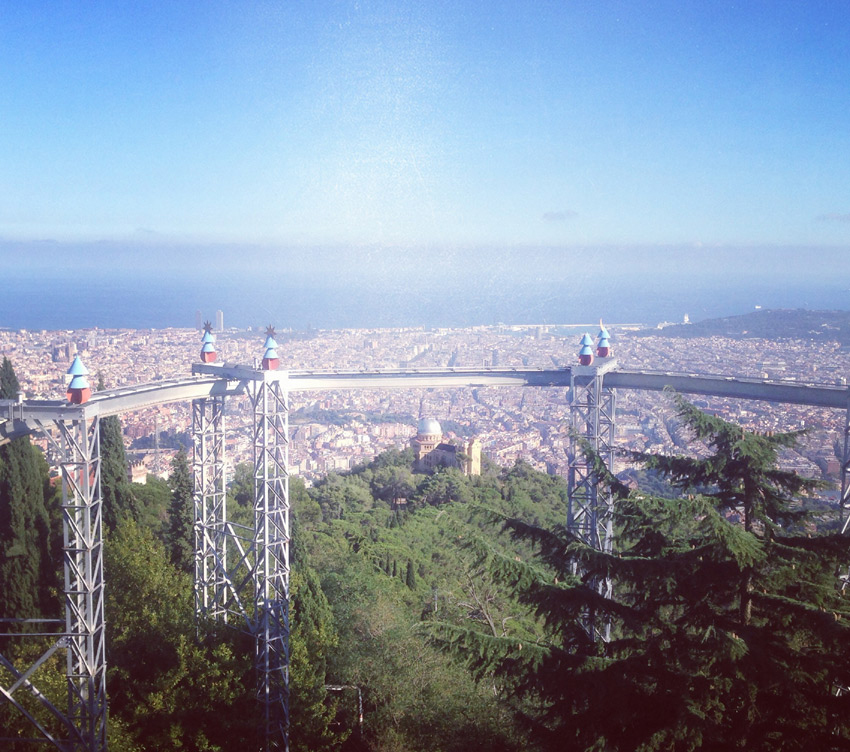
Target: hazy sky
457, 122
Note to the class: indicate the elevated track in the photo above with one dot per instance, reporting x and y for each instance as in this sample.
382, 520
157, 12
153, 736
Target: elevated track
26, 416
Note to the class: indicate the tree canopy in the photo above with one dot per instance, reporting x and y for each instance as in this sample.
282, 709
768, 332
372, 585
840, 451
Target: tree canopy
728, 628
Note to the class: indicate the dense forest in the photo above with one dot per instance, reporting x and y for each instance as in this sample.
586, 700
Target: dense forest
461, 610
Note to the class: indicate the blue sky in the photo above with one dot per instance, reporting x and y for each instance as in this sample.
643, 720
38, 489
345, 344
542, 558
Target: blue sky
432, 124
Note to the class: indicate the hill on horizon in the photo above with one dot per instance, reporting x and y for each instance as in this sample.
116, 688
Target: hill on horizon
773, 324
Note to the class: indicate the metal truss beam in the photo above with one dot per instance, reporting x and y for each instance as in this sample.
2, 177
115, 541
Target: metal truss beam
77, 450
243, 572
592, 419
271, 545
22, 680
590, 506
213, 597
83, 559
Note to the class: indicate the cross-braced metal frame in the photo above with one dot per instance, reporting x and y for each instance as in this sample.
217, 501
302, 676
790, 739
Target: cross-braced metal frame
590, 505
213, 594
271, 545
244, 572
84, 724
82, 516
592, 416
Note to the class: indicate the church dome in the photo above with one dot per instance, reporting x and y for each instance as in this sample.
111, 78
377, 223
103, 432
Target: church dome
428, 427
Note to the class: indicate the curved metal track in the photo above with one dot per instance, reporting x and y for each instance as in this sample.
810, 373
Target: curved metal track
21, 418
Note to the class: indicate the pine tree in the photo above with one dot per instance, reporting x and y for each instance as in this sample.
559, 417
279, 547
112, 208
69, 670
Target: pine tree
724, 635
26, 568
180, 535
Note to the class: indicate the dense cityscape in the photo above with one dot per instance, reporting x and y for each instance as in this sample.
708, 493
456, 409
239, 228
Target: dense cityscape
337, 430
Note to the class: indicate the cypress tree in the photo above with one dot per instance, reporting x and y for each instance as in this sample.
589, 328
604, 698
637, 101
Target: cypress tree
726, 633
26, 569
180, 535
118, 500
410, 577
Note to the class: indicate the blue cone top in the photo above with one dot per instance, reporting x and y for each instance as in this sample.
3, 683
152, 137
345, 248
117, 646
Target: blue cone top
271, 353
77, 368
79, 382
603, 333
586, 340
208, 347
207, 339
270, 344
585, 350
603, 341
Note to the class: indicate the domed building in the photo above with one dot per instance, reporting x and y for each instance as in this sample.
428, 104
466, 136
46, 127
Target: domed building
430, 451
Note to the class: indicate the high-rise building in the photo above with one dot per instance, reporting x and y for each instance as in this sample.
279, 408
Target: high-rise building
199, 321
219, 321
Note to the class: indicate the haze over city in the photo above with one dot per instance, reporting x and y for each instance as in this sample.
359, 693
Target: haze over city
356, 163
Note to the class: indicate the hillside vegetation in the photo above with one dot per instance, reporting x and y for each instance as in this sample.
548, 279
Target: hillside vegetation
464, 613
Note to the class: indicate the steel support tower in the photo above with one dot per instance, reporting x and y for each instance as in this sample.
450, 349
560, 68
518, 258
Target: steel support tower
212, 592
590, 505
82, 517
244, 572
77, 449
270, 401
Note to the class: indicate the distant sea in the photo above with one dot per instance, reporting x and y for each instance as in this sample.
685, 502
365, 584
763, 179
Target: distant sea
452, 291
68, 303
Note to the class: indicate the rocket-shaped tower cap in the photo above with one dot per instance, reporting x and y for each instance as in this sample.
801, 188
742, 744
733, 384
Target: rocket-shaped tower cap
603, 347
270, 357
79, 389
208, 353
77, 368
585, 355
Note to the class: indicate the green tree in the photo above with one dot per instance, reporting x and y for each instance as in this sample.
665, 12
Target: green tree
313, 639
725, 634
118, 500
27, 558
180, 535
153, 498
168, 689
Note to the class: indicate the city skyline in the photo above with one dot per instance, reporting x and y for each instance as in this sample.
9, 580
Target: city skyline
448, 125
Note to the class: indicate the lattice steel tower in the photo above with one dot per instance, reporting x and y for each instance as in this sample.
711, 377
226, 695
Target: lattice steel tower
590, 505
242, 574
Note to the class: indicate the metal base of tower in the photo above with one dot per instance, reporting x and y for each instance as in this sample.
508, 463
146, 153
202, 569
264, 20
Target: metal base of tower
271, 544
77, 449
242, 572
82, 517
590, 505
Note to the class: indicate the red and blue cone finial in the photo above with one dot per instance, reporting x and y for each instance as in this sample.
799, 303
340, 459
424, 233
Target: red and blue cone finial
208, 353
79, 389
270, 358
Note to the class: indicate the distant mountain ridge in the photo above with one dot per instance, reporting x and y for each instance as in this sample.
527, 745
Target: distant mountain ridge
797, 323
